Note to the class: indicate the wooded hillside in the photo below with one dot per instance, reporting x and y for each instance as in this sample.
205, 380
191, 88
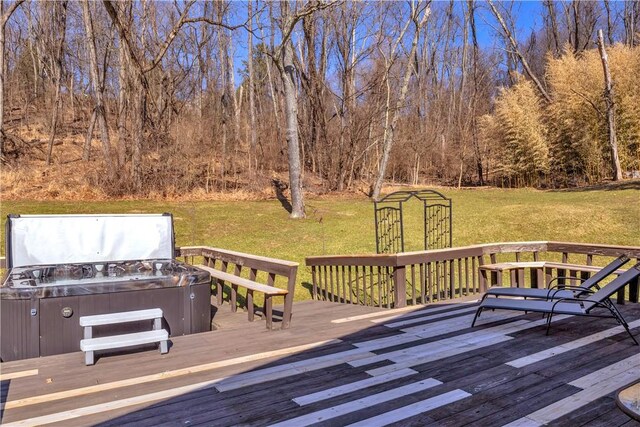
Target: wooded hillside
140, 97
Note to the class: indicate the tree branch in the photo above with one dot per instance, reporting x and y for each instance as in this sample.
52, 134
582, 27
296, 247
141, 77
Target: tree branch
9, 12
514, 44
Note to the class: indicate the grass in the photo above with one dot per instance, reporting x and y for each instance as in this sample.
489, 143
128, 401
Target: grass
610, 215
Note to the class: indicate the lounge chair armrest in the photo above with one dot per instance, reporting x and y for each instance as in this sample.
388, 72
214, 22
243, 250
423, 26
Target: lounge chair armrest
563, 277
553, 291
578, 300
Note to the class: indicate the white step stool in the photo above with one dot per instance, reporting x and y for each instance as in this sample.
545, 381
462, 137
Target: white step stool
90, 344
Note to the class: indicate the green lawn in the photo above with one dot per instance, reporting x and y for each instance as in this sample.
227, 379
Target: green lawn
345, 226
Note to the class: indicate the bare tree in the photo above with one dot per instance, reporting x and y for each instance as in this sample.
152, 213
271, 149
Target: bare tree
553, 26
283, 57
59, 31
474, 97
4, 16
608, 97
253, 145
98, 91
389, 129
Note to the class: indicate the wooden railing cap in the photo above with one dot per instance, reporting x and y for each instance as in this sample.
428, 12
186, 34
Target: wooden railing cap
238, 254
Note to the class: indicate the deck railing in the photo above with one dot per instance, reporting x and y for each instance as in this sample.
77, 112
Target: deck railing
269, 271
438, 275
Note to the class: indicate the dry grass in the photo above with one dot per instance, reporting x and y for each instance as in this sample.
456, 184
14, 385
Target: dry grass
569, 134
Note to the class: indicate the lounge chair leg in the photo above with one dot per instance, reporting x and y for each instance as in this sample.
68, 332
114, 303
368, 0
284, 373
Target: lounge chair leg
631, 335
549, 323
476, 316
618, 316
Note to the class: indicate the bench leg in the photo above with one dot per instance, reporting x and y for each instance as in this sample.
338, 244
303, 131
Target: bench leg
164, 347
234, 298
250, 308
268, 310
88, 358
288, 308
88, 355
157, 324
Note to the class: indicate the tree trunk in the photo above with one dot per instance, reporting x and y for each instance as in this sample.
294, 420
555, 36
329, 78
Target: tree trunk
474, 100
86, 150
287, 73
4, 17
608, 96
138, 114
551, 8
2, 76
98, 87
61, 16
253, 151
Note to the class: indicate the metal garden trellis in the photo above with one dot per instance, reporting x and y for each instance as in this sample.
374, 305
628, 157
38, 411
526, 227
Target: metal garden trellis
389, 220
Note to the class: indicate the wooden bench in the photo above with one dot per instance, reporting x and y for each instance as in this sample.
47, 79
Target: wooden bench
541, 273
89, 344
251, 287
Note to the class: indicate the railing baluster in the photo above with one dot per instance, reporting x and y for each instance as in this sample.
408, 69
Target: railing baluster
350, 287
387, 279
413, 284
379, 288
332, 270
357, 285
325, 284
314, 282
459, 281
430, 281
466, 275
344, 286
371, 286
423, 285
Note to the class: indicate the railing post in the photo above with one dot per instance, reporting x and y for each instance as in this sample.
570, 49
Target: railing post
288, 299
400, 286
314, 280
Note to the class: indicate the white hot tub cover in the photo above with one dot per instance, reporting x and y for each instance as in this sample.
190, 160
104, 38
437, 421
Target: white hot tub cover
66, 239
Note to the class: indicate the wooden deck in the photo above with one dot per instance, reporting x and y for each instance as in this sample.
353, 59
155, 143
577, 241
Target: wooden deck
343, 365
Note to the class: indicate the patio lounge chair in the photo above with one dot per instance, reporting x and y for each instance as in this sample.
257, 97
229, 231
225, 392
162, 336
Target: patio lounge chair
559, 291
573, 306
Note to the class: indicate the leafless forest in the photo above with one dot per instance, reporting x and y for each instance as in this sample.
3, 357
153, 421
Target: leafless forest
182, 96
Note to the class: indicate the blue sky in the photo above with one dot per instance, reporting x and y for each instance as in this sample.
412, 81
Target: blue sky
528, 15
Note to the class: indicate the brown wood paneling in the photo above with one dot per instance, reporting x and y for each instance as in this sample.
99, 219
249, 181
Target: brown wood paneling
200, 308
59, 334
168, 299
19, 337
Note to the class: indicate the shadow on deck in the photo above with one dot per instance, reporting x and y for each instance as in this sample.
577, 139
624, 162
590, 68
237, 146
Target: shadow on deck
342, 365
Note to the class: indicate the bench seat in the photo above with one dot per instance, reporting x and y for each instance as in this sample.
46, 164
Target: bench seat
124, 317
251, 286
125, 340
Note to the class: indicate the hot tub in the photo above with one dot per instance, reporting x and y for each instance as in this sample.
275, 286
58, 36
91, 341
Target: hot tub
40, 304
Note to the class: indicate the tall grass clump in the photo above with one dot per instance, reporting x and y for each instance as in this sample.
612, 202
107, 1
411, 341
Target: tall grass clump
566, 141
522, 157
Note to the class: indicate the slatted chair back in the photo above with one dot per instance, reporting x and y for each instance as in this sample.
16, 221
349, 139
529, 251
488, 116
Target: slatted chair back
604, 272
616, 285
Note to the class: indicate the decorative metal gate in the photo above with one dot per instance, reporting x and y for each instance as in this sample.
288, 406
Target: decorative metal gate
390, 227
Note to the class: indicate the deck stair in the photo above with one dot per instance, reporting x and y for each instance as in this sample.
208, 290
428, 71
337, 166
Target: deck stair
89, 344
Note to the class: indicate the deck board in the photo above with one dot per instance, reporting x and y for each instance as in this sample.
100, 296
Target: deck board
368, 368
